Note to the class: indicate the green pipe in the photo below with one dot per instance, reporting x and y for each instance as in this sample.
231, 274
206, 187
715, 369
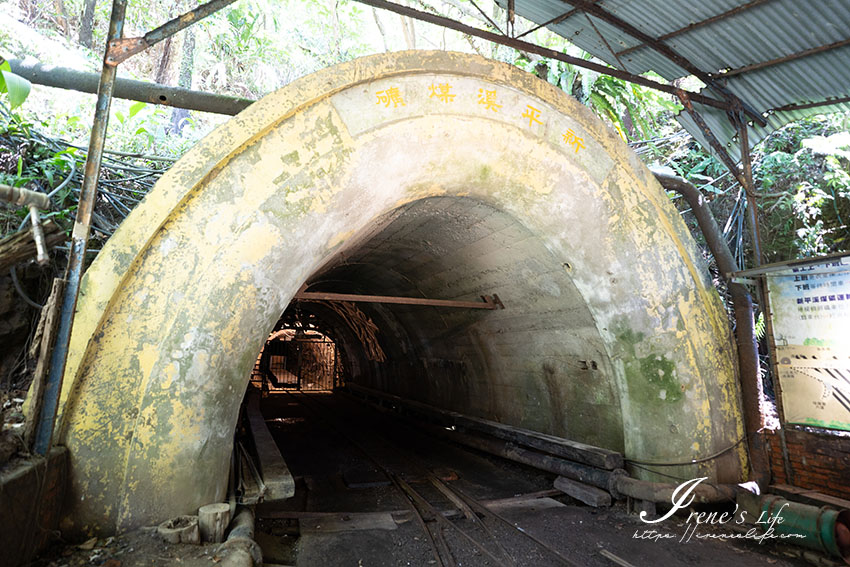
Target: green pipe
824, 529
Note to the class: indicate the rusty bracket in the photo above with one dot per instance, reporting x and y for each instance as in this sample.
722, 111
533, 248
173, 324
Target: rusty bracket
487, 302
121, 49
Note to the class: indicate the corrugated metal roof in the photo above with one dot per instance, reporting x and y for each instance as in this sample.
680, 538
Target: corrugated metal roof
742, 34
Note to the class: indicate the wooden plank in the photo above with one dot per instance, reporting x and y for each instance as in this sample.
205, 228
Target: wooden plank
808, 496
590, 495
276, 476
47, 325
20, 246
523, 505
348, 523
564, 448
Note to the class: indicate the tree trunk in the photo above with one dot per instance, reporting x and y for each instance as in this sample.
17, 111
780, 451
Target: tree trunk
409, 32
87, 23
164, 62
381, 29
62, 16
187, 63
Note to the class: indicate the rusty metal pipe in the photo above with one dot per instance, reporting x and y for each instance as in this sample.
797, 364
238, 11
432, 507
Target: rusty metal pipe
79, 239
745, 329
120, 49
23, 197
38, 235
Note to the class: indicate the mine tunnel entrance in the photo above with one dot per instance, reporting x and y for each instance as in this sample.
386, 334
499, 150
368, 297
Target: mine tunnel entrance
611, 334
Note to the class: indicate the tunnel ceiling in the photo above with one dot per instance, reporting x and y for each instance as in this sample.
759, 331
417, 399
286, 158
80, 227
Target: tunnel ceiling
462, 248
428, 174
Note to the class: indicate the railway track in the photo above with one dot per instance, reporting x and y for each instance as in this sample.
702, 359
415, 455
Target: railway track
479, 536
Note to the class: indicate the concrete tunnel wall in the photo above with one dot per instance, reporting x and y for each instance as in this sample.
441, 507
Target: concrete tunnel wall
364, 177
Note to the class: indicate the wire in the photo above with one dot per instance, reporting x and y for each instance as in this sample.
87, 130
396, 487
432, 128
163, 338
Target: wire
20, 290
67, 179
692, 461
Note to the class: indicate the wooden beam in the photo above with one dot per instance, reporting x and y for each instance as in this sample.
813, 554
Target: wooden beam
564, 448
20, 246
488, 302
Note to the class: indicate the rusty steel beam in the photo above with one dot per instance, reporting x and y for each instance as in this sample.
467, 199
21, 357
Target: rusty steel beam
712, 140
552, 22
79, 239
749, 188
744, 174
785, 59
690, 27
542, 51
488, 302
120, 49
804, 106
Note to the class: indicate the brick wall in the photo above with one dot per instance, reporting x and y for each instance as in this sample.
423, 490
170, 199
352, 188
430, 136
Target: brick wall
818, 461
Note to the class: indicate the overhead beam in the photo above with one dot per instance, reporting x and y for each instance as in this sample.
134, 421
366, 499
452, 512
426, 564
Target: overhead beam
129, 89
785, 59
488, 302
690, 27
553, 21
804, 106
542, 51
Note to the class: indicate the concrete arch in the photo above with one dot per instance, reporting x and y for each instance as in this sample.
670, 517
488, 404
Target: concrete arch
177, 305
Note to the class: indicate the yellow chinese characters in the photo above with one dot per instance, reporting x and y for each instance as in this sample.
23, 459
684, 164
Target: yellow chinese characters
532, 114
488, 99
390, 96
571, 139
442, 91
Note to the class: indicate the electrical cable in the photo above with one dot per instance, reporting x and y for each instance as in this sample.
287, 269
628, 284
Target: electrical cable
20, 290
692, 461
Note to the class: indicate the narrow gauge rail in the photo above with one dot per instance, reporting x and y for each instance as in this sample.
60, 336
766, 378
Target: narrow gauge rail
428, 516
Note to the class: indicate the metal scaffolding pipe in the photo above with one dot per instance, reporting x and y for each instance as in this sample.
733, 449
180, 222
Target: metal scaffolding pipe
79, 239
128, 89
23, 197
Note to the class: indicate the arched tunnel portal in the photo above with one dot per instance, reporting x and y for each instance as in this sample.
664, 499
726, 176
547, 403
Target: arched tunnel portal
423, 174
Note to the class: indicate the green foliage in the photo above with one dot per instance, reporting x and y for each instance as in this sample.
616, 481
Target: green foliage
16, 87
25, 162
806, 171
637, 113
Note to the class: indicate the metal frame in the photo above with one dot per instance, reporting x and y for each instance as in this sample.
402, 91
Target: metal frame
88, 195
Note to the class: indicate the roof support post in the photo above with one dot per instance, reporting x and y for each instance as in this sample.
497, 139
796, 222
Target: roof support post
749, 188
79, 239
